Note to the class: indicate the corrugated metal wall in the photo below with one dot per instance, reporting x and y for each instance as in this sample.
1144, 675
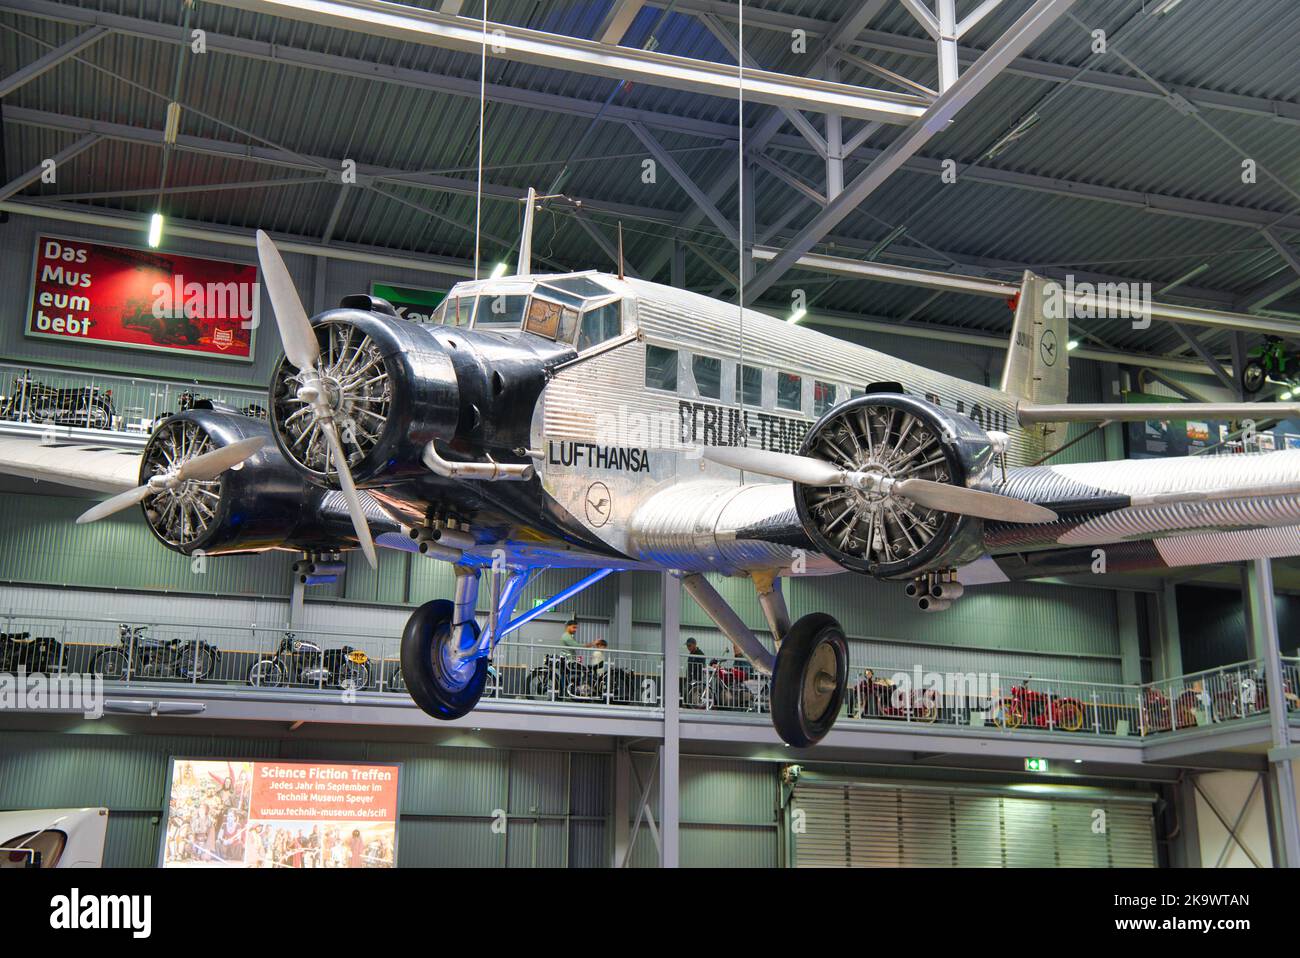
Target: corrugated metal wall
557, 802
729, 815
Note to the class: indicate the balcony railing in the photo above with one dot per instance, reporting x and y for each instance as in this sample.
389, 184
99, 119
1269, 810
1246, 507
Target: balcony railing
272, 658
129, 405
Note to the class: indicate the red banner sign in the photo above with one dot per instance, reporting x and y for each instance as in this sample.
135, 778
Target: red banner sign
142, 299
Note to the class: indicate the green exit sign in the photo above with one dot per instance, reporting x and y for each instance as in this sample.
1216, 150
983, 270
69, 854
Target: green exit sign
1035, 765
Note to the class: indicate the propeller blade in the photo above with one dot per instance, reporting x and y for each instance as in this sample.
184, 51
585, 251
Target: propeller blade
971, 502
350, 492
296, 334
212, 464
122, 500
800, 469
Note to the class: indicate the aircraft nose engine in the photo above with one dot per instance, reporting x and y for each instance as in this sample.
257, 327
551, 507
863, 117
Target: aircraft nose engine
390, 387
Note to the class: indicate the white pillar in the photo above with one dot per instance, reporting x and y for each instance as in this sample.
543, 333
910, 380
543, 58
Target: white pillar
669, 752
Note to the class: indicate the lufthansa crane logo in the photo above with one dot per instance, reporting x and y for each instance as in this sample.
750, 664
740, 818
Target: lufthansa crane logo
1047, 348
598, 504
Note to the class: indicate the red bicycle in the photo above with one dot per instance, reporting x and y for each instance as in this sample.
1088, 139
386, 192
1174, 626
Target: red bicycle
1038, 709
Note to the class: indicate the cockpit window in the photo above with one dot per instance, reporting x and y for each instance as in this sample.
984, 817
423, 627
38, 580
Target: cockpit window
543, 318
458, 311
500, 311
554, 292
599, 325
581, 285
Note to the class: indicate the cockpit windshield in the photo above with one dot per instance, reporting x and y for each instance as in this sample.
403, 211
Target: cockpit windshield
577, 309
500, 311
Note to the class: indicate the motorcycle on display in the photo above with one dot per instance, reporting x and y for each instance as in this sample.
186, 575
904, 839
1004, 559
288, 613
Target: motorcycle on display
302, 662
33, 401
140, 655
1038, 709
881, 698
726, 687
20, 650
188, 400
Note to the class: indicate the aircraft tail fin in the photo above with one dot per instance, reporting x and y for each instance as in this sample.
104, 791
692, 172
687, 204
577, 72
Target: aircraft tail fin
1037, 369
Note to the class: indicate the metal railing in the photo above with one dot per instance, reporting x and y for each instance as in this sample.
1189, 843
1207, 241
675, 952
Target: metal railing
128, 404
271, 657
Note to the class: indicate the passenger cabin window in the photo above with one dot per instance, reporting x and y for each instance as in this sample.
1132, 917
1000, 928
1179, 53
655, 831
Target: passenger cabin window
823, 397
751, 378
661, 368
708, 376
856, 393
600, 324
500, 311
789, 391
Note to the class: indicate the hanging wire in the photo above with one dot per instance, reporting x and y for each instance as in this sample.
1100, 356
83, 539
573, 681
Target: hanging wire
740, 235
482, 110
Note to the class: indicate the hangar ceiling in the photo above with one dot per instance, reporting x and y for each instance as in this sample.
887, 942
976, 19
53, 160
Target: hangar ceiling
1124, 165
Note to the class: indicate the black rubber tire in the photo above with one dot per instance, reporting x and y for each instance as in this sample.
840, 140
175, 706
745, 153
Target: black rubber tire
1253, 377
274, 677
426, 680
206, 663
805, 638
101, 659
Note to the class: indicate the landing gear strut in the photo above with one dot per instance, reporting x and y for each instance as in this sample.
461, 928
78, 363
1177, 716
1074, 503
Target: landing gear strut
810, 671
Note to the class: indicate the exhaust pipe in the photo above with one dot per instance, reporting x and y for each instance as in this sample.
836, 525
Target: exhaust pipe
948, 590
306, 579
929, 604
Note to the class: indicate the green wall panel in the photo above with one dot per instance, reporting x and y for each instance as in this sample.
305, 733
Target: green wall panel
447, 802
44, 545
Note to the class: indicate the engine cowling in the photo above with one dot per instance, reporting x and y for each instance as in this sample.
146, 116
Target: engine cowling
900, 437
264, 503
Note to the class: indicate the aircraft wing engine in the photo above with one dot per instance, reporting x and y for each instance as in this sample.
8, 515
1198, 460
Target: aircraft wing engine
258, 504
892, 485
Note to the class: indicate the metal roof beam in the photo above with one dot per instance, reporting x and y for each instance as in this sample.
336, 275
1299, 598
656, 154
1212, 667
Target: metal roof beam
1216, 367
774, 232
1027, 28
275, 157
697, 195
24, 180
765, 132
613, 27
50, 60
1283, 111
1267, 292
978, 286
573, 54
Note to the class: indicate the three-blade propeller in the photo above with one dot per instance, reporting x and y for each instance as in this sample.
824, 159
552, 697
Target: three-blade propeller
925, 492
201, 468
302, 349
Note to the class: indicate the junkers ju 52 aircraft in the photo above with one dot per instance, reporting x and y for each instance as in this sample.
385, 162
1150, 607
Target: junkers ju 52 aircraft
600, 422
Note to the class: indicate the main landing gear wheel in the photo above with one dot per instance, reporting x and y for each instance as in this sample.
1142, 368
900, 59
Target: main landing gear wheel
441, 685
808, 683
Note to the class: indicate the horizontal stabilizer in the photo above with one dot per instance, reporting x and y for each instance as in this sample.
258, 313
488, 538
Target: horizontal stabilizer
1029, 413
